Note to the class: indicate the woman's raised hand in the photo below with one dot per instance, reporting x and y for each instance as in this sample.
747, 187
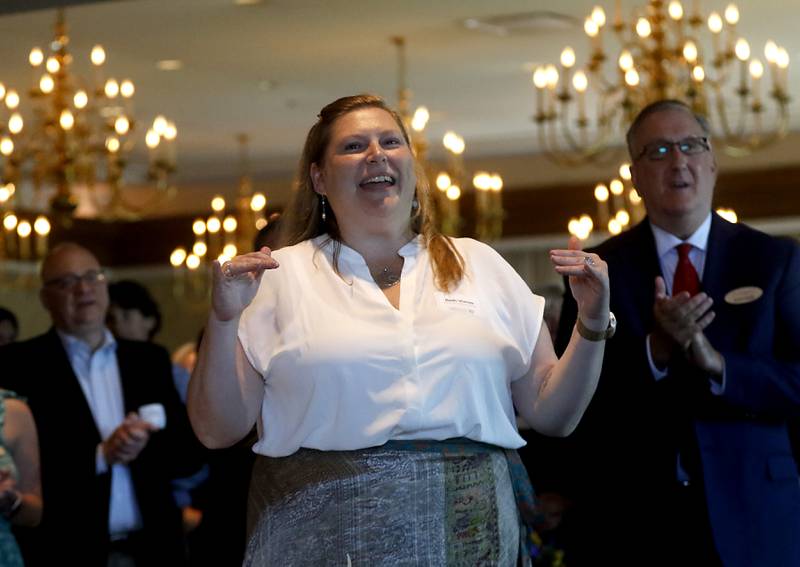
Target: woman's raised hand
588, 280
236, 282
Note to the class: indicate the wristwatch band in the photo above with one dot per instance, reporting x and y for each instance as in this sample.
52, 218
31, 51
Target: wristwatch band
591, 335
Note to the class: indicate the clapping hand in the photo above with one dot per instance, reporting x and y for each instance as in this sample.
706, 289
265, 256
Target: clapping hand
236, 282
588, 280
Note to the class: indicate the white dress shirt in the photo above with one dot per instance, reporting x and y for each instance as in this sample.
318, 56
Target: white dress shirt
343, 369
98, 376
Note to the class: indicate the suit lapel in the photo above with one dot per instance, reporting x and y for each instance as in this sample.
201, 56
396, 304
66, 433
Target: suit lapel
636, 277
716, 273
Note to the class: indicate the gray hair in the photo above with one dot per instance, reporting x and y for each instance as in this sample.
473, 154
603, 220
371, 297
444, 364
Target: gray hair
660, 106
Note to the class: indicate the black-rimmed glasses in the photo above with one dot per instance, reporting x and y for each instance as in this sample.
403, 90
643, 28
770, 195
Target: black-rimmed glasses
71, 281
690, 146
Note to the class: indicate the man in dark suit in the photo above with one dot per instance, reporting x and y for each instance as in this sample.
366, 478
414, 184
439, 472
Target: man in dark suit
683, 456
106, 471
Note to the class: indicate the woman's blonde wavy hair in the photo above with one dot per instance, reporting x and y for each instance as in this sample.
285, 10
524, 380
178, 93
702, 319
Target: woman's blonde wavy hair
303, 217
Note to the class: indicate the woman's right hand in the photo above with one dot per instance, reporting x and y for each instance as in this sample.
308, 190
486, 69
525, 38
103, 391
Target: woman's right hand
235, 283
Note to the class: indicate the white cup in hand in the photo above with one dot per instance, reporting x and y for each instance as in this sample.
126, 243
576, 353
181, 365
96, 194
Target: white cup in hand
153, 414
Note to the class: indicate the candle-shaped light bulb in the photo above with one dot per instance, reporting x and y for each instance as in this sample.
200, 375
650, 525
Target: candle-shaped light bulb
213, 225
625, 60
229, 250
52, 65
698, 73
15, 123
6, 146
46, 84
714, 23
580, 81
229, 224
443, 181
625, 171
177, 257
111, 88
151, 139
98, 55
623, 217
568, 57
160, 125
200, 249
732, 14
675, 10
12, 99
66, 120
112, 144
540, 77
126, 88
170, 132
590, 27
552, 76
192, 262
690, 51
598, 16
36, 57
122, 125
632, 77
771, 51
420, 119
742, 49
81, 99
756, 69
41, 226
258, 202
218, 203
643, 28
782, 58
199, 227
453, 192
616, 187
601, 192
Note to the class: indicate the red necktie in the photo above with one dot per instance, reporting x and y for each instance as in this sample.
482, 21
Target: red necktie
685, 275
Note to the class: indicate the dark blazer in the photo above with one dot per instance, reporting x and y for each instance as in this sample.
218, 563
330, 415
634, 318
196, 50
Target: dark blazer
74, 528
625, 447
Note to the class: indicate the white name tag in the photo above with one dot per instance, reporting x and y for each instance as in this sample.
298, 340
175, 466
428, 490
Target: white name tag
742, 295
452, 302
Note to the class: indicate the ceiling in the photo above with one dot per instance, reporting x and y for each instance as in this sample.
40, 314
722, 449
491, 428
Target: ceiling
266, 69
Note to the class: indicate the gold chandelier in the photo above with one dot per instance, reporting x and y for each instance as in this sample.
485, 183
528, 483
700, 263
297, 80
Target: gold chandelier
449, 181
80, 137
581, 112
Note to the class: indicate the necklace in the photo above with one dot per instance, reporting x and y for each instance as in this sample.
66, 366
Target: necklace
386, 278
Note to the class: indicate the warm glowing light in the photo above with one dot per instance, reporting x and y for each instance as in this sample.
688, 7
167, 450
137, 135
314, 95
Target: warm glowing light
6, 146
261, 223
15, 123
126, 89
24, 229
453, 142
601, 192
616, 187
690, 51
453, 192
643, 28
420, 119
675, 10
41, 225
12, 99
3, 89
199, 227
732, 14
152, 139
112, 88
443, 181
625, 171
598, 16
625, 60
199, 249
552, 76
230, 250
742, 49
5, 194
122, 125
623, 218
229, 224
568, 57
213, 225
160, 125
495, 182
10, 222
634, 197
192, 262
698, 73
756, 68
257, 202
177, 257
632, 77
614, 227
481, 181
36, 57
540, 77
218, 203
590, 27
580, 81
112, 144
81, 99
782, 60
98, 55
171, 131
714, 22
771, 51
46, 84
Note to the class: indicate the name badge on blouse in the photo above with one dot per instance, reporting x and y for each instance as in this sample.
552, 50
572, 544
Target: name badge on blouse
452, 302
742, 295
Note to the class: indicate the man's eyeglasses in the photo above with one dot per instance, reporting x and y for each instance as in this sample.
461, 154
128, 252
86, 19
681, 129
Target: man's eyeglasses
71, 281
660, 149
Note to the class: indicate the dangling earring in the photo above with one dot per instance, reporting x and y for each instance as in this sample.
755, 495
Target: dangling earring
322, 203
414, 204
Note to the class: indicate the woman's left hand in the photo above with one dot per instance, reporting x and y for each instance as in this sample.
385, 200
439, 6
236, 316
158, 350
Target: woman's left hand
588, 280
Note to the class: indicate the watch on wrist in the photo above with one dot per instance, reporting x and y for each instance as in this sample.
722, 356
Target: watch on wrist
591, 335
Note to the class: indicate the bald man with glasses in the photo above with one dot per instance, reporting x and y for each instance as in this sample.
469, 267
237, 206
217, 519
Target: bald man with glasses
683, 456
106, 471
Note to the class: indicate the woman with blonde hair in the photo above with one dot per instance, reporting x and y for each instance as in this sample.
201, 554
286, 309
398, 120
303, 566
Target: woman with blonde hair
381, 361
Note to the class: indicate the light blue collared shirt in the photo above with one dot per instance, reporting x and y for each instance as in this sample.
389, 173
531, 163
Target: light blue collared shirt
98, 376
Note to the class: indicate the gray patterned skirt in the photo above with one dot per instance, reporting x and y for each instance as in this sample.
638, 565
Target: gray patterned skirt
456, 502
